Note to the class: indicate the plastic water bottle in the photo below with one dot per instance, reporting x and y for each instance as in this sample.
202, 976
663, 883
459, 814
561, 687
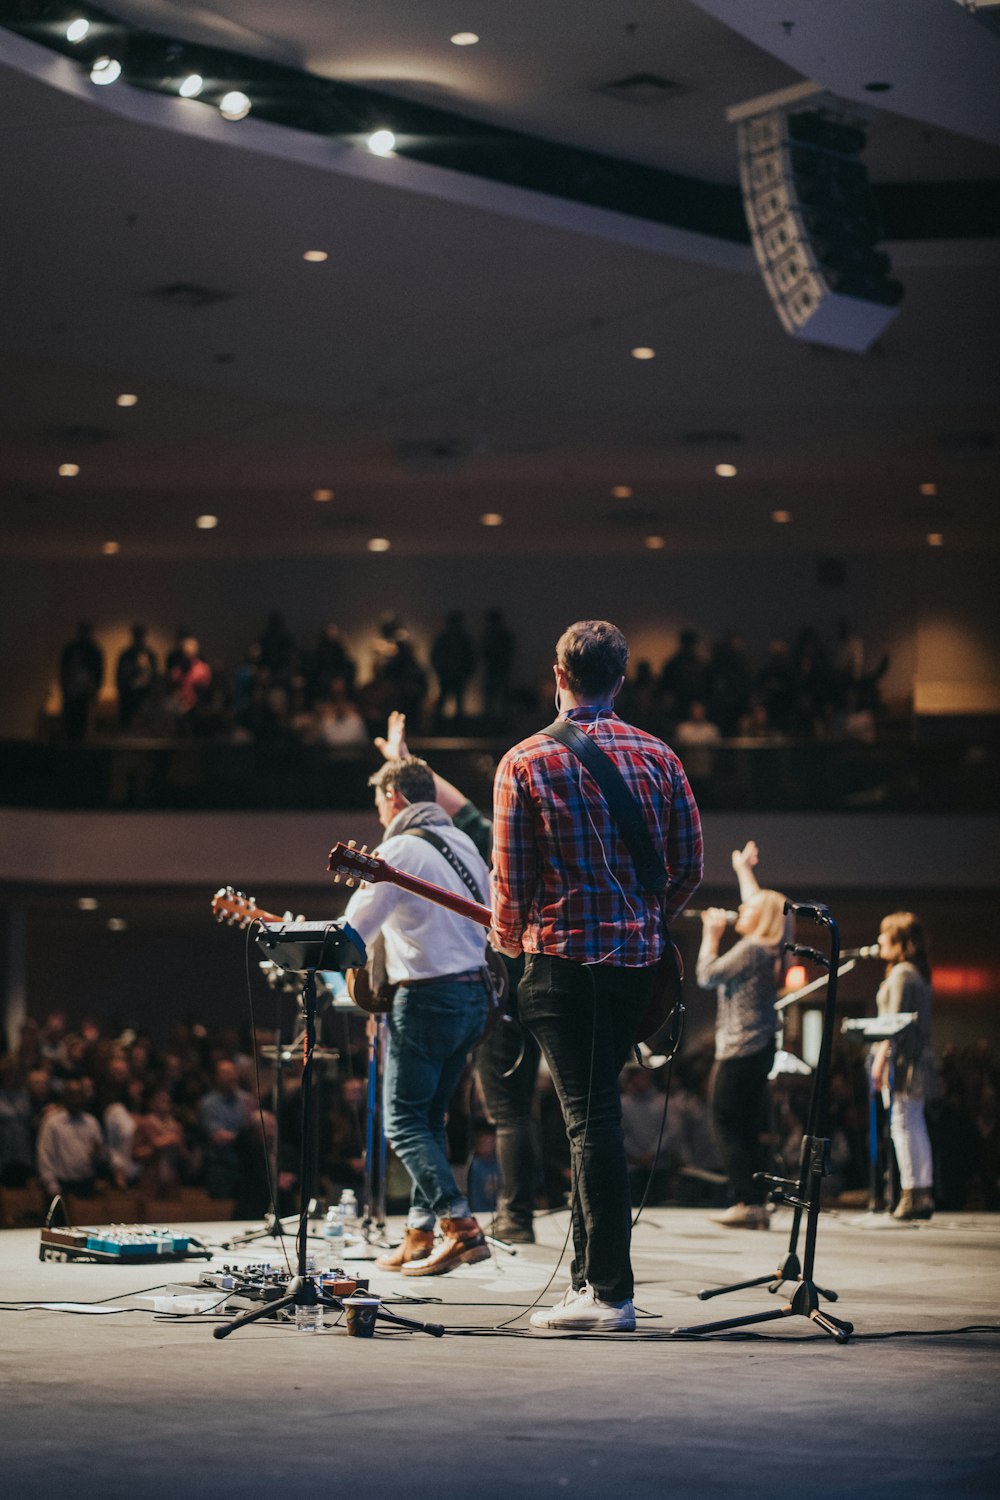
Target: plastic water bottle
309, 1312
349, 1211
333, 1229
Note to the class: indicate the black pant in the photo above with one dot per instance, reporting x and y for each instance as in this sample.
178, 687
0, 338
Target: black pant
585, 1019
737, 1107
509, 1101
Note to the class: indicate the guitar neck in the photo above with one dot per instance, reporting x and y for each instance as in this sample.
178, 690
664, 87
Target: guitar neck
436, 893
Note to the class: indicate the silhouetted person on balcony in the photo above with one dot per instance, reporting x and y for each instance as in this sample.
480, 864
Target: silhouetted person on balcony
453, 657
135, 674
81, 673
498, 663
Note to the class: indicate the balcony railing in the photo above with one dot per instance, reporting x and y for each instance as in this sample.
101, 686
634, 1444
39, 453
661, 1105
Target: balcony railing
959, 776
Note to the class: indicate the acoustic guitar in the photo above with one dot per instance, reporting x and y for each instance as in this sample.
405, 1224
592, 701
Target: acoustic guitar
352, 865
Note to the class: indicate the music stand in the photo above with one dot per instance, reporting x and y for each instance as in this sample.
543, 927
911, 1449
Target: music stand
303, 948
879, 1029
814, 1165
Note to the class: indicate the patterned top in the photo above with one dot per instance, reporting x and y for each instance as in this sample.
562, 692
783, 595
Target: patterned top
563, 880
905, 989
744, 981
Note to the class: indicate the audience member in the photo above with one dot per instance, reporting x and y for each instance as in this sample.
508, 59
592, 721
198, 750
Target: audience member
81, 675
135, 674
453, 657
71, 1151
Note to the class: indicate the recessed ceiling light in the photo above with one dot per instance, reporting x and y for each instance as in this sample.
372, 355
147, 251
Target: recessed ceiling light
316, 256
643, 351
110, 548
68, 471
655, 543
105, 70
126, 399
935, 539
726, 471
86, 903
322, 494
492, 518
379, 544
77, 30
465, 39
928, 489
117, 924
234, 106
206, 523
622, 492
191, 86
781, 517
381, 142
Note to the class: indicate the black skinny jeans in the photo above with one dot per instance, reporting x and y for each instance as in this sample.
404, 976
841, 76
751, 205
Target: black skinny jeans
585, 1020
737, 1115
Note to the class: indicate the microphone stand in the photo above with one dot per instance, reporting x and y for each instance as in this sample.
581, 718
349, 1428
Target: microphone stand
307, 947
803, 1194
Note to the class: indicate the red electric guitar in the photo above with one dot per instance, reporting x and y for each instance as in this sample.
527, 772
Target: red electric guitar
353, 864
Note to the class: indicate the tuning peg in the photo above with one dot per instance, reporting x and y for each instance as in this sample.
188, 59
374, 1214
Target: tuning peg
352, 844
349, 882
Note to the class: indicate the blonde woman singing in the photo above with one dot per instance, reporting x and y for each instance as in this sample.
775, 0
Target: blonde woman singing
746, 979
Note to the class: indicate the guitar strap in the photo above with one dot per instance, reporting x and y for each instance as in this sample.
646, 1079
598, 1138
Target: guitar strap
622, 803
443, 847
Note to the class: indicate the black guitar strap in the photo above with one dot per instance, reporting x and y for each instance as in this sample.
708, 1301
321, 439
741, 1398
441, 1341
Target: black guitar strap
443, 847
622, 805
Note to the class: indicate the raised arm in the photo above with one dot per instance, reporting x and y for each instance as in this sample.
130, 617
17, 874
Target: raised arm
394, 747
744, 861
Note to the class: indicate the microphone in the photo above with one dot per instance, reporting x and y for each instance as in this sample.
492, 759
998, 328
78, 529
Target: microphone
692, 911
870, 950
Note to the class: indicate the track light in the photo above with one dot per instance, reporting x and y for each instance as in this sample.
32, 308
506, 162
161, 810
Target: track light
77, 30
381, 143
192, 86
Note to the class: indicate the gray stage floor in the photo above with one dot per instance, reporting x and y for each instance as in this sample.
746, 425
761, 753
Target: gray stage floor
129, 1404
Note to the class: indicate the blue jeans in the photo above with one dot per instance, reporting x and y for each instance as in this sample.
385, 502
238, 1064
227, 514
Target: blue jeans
432, 1029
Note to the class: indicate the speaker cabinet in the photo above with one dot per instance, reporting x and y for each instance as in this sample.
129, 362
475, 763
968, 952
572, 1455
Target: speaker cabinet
814, 224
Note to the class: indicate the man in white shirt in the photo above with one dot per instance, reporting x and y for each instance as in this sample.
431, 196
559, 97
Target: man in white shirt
435, 959
71, 1150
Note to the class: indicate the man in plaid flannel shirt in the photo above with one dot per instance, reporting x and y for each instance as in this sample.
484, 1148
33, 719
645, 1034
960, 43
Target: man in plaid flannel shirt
566, 893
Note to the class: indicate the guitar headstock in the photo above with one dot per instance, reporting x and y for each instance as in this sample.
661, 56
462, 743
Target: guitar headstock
348, 862
237, 910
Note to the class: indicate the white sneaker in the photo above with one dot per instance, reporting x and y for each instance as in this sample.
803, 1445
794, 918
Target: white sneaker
580, 1311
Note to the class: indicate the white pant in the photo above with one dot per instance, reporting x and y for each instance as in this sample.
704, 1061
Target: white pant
911, 1143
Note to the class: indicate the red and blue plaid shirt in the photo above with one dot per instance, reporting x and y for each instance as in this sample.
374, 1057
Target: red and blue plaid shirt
563, 880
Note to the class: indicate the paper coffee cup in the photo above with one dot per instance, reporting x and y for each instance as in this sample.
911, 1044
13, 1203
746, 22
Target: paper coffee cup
360, 1311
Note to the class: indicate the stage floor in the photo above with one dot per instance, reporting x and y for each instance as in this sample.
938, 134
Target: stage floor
132, 1404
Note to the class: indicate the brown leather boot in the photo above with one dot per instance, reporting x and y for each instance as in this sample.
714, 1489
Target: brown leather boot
463, 1243
417, 1243
905, 1207
923, 1203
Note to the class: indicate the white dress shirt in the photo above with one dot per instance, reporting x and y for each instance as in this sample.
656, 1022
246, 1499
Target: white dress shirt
423, 940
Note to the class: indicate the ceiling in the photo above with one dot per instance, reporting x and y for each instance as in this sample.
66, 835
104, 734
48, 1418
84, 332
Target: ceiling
465, 348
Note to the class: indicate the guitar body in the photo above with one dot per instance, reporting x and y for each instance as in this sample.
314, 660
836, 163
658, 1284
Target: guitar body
666, 994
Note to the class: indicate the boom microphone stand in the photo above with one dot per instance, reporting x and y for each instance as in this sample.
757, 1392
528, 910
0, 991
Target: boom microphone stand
789, 1268
305, 947
814, 1165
